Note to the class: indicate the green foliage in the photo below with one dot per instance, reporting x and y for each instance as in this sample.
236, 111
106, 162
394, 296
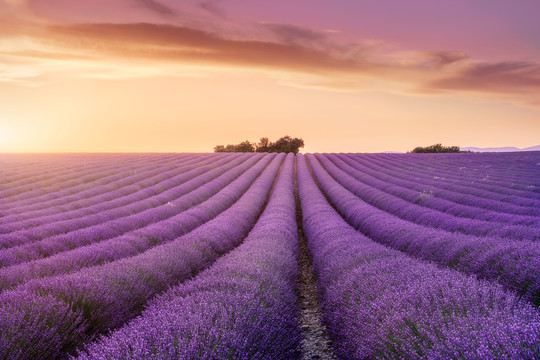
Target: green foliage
244, 146
285, 144
437, 148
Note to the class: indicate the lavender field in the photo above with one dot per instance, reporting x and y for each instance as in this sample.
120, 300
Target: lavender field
198, 256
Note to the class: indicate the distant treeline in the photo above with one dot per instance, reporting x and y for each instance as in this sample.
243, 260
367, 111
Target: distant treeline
437, 148
286, 144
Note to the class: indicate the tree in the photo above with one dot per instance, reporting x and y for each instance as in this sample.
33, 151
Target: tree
264, 145
285, 144
296, 144
244, 146
436, 148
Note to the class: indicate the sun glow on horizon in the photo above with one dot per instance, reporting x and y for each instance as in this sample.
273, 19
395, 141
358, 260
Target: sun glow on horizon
109, 76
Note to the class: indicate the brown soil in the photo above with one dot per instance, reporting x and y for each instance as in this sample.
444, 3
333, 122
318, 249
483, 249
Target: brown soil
315, 343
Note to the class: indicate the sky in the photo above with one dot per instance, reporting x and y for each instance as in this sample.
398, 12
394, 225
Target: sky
344, 75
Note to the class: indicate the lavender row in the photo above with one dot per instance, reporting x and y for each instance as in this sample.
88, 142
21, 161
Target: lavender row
118, 184
518, 168
87, 254
46, 167
61, 180
29, 192
103, 225
49, 317
349, 178
243, 307
111, 197
514, 264
94, 185
121, 183
467, 193
101, 213
159, 226
506, 167
380, 304
25, 166
433, 197
475, 178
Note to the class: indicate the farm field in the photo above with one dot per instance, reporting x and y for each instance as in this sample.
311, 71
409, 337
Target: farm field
198, 256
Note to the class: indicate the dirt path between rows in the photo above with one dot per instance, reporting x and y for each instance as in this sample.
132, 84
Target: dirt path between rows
315, 342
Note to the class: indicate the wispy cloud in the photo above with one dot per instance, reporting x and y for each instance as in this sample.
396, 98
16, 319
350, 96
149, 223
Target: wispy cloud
444, 58
273, 47
292, 34
494, 77
157, 7
515, 82
181, 44
320, 40
213, 8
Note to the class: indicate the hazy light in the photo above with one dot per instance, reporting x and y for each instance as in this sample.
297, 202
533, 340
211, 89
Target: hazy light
98, 75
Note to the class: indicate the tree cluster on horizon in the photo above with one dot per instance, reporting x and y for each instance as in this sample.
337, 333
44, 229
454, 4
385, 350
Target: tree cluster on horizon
285, 144
437, 148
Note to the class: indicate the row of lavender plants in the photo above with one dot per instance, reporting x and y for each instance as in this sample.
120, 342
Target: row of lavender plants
465, 192
75, 253
380, 304
47, 318
44, 167
514, 264
243, 307
423, 193
512, 166
352, 180
124, 182
471, 177
53, 181
104, 207
20, 170
149, 208
516, 168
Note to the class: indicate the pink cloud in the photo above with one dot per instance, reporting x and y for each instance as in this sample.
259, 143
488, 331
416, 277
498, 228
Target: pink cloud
269, 46
500, 77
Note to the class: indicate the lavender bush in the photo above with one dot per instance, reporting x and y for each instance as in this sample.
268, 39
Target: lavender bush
140, 225
134, 242
95, 197
380, 304
136, 205
243, 307
514, 264
471, 174
411, 211
450, 202
194, 256
105, 297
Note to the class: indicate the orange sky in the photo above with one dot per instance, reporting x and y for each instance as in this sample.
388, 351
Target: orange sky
123, 75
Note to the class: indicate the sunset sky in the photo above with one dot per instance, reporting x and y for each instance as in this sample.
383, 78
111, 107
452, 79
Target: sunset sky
344, 75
